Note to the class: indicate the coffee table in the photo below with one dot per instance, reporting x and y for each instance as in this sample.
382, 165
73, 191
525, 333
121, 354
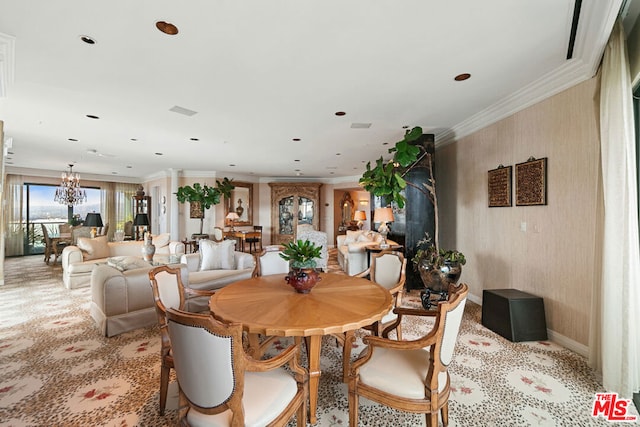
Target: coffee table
267, 305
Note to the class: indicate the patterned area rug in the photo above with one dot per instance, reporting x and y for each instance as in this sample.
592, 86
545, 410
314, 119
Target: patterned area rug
58, 371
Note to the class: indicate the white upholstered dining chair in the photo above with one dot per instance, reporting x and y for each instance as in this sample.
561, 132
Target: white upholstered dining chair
168, 292
411, 375
220, 385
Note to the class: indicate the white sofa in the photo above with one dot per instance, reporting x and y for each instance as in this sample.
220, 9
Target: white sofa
78, 261
352, 254
123, 300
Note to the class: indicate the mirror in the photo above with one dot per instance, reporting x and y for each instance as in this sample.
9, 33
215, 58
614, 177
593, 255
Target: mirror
347, 209
241, 202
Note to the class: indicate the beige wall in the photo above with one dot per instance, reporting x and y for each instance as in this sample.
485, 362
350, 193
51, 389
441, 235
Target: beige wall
555, 257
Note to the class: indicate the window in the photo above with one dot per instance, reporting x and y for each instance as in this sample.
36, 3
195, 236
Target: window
40, 208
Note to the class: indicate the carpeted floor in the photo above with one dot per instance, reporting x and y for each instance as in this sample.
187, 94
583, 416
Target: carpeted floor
58, 371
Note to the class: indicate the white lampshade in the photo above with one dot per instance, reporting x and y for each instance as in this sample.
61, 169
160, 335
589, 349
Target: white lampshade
232, 216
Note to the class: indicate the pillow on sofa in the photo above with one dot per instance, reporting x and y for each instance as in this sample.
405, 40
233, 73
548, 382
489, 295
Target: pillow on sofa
161, 240
352, 236
124, 263
93, 248
365, 237
217, 255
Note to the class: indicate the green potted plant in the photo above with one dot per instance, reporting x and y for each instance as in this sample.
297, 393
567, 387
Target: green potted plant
302, 255
202, 197
387, 179
437, 267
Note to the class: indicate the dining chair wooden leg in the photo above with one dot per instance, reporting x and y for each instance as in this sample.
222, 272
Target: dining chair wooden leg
164, 387
349, 339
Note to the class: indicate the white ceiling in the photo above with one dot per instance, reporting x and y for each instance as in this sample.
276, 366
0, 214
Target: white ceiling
261, 73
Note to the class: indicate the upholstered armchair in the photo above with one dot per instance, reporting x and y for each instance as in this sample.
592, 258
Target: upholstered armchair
410, 375
221, 385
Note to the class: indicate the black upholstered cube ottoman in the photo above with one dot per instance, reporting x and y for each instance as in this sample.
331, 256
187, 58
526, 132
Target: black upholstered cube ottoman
516, 315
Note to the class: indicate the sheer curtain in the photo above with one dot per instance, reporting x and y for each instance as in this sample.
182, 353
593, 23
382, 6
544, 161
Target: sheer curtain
615, 341
123, 205
12, 214
107, 202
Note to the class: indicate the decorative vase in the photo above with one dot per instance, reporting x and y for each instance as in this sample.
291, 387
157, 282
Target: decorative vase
148, 250
303, 279
436, 280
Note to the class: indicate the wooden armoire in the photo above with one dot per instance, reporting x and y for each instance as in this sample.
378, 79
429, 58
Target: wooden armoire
293, 204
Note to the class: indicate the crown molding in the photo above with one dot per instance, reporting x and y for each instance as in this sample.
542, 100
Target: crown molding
590, 45
7, 62
48, 173
570, 74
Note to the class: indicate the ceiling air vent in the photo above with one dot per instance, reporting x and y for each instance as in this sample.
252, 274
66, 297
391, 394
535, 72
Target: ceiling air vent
360, 125
181, 110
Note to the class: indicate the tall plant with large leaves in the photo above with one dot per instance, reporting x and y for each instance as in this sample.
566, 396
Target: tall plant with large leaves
386, 179
205, 195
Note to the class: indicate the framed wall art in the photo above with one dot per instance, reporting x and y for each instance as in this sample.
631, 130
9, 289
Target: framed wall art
531, 182
499, 186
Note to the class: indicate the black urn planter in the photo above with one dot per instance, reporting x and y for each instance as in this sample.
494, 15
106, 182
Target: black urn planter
436, 280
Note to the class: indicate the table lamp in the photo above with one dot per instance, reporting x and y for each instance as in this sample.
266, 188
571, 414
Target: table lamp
141, 220
93, 220
360, 216
232, 216
383, 216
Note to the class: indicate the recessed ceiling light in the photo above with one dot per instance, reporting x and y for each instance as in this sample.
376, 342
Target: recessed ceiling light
296, 139
232, 165
91, 116
87, 40
114, 173
194, 139
337, 154
462, 77
73, 140
296, 170
134, 139
129, 167
159, 154
405, 127
296, 160
167, 28
340, 113
385, 143
331, 173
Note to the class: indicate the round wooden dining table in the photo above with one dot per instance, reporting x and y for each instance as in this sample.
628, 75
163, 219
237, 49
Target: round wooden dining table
267, 305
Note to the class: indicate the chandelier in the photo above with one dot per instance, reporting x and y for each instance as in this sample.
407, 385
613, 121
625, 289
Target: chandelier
69, 193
